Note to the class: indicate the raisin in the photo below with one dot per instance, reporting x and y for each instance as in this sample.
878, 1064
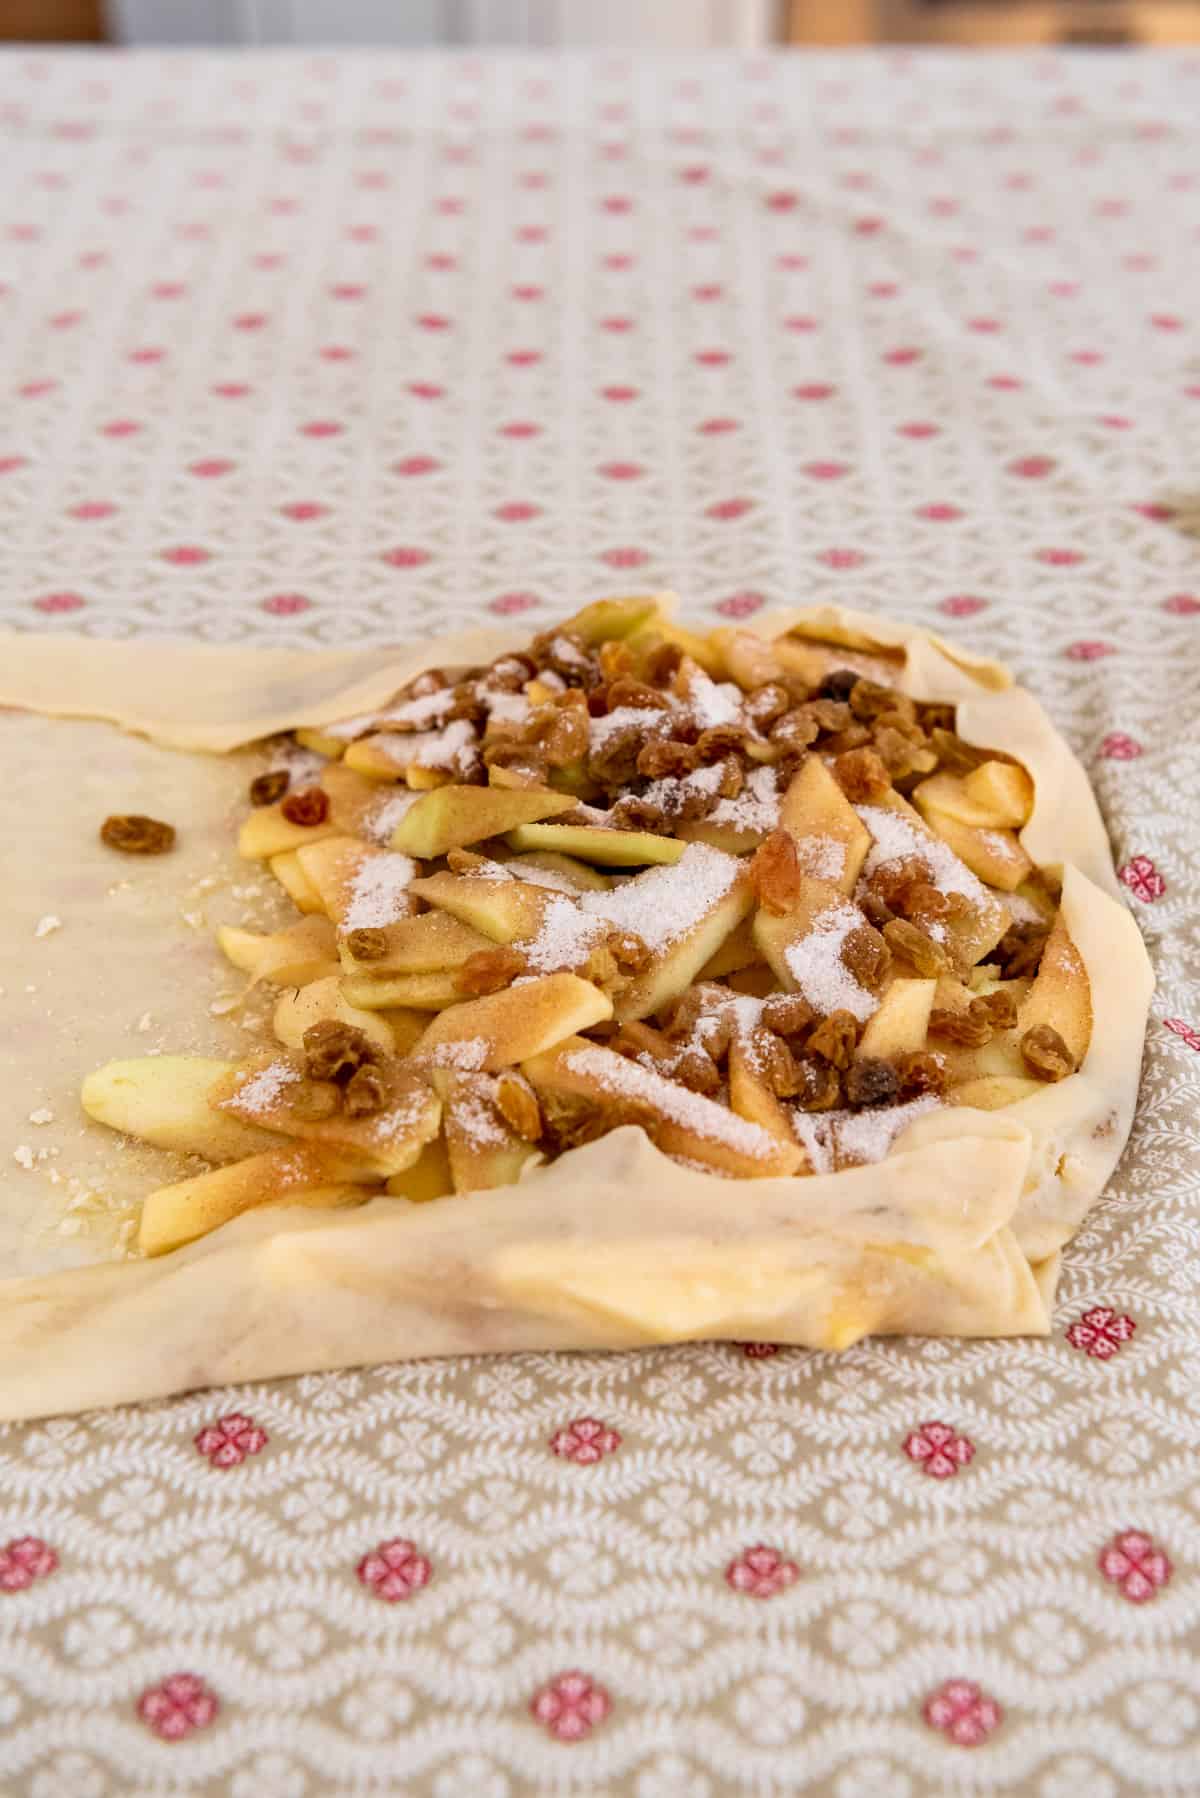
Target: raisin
862, 776
662, 664
613, 761
308, 807
842, 742
490, 970
628, 950
334, 1051
637, 694
432, 681
684, 1015
776, 874
936, 716
733, 778
367, 943
1046, 1054
839, 683
1001, 1008
616, 659
265, 789
665, 760
780, 1068
134, 834
696, 1070
902, 757
871, 1082
876, 910
787, 1014
971, 1026
866, 954
765, 704
820, 1087
829, 715
868, 699
314, 1100
905, 939
952, 753
365, 1092
835, 1038
796, 730
517, 1104
892, 879
1019, 951
923, 902
638, 814
921, 1073
722, 740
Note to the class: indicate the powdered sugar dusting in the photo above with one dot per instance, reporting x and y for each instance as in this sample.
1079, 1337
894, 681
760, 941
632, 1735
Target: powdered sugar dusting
262, 1091
467, 1054
1023, 910
379, 894
756, 806
649, 720
380, 823
896, 836
543, 877
478, 1122
565, 938
712, 703
844, 1138
663, 904
822, 857
815, 964
703, 1117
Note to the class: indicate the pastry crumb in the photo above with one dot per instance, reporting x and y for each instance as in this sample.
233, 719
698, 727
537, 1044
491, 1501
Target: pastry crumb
23, 1156
48, 924
146, 1021
43, 1115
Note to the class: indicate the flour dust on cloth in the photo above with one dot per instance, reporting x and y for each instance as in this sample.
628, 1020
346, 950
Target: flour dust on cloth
956, 1232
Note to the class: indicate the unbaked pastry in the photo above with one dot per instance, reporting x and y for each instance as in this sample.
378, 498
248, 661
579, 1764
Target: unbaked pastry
767, 983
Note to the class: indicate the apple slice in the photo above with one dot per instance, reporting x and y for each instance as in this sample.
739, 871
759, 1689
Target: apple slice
1061, 994
483, 1151
487, 1034
451, 817
803, 948
358, 883
989, 1092
901, 1024
353, 802
577, 1072
321, 1000
687, 949
488, 899
577, 875
269, 1093
996, 856
595, 843
163, 1099
291, 876
1005, 790
320, 742
429, 1176
831, 837
282, 1176
739, 950
291, 957
752, 1098
657, 631
406, 992
742, 657
431, 943
898, 831
605, 619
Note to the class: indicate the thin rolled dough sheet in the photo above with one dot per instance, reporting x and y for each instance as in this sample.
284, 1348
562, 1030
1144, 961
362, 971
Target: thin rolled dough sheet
955, 1233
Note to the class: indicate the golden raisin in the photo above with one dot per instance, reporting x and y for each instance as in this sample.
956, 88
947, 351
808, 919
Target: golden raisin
923, 902
795, 730
937, 716
776, 874
661, 759
839, 683
334, 1051
367, 943
900, 756
892, 880
1019, 951
767, 703
862, 776
722, 740
1001, 1008
662, 664
683, 1015
835, 1038
952, 753
314, 1100
866, 954
265, 789
971, 1026
780, 1068
820, 1087
871, 1082
365, 1092
1046, 1054
308, 807
844, 742
696, 1070
787, 1014
868, 699
916, 947
134, 834
921, 1072
517, 1104
490, 970
616, 659
638, 694
628, 950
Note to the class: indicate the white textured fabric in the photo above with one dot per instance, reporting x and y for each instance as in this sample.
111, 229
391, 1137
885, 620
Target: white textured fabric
342, 349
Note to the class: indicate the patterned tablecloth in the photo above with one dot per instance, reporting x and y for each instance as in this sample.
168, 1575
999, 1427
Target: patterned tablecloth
341, 349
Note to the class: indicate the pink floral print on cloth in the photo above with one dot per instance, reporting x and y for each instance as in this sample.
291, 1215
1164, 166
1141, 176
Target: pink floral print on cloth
585, 1441
25, 1560
963, 1713
1135, 1565
571, 1706
178, 1707
939, 1450
227, 1442
1101, 1332
761, 1571
394, 1570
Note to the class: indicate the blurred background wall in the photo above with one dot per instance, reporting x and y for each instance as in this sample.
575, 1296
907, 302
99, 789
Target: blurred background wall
649, 24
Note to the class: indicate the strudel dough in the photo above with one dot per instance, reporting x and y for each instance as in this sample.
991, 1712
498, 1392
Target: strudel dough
956, 1232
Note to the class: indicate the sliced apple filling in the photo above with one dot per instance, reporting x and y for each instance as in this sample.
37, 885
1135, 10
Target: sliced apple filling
742, 894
